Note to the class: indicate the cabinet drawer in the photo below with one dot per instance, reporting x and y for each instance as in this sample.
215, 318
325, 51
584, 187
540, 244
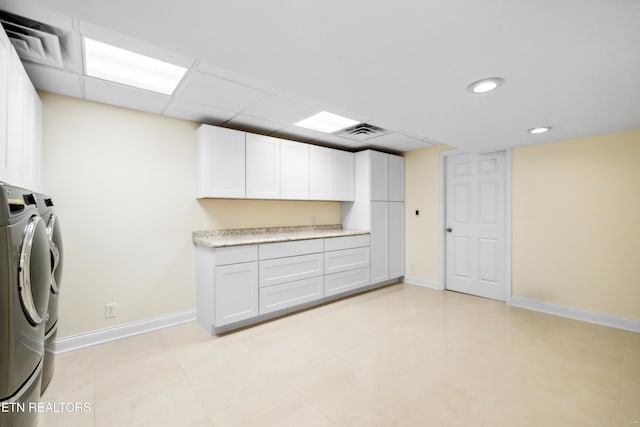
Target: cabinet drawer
235, 254
282, 270
286, 295
345, 281
285, 249
347, 242
348, 259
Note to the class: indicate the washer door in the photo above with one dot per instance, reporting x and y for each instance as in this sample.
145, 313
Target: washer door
34, 273
55, 252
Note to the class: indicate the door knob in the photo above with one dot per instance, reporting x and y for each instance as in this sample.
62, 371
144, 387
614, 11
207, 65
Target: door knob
449, 229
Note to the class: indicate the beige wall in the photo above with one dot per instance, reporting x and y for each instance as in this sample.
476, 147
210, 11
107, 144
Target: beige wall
124, 187
576, 223
422, 181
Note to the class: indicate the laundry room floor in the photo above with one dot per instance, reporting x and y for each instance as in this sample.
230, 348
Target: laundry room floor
398, 356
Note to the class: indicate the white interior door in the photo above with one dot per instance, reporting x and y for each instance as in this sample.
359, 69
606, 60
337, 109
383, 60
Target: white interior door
475, 224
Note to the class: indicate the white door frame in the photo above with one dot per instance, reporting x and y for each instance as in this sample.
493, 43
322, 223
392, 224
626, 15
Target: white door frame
442, 208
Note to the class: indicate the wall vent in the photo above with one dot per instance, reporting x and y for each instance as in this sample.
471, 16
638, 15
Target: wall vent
35, 41
361, 132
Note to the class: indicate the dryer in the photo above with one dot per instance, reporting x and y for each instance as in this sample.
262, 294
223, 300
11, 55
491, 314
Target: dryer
52, 223
25, 279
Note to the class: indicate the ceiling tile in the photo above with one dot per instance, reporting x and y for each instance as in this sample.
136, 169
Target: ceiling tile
408, 146
124, 96
301, 134
198, 113
280, 110
250, 123
54, 80
391, 140
337, 140
205, 89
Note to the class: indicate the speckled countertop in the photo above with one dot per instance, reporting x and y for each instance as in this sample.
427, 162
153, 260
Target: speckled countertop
253, 236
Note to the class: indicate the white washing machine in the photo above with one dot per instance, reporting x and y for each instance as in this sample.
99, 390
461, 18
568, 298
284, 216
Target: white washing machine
25, 279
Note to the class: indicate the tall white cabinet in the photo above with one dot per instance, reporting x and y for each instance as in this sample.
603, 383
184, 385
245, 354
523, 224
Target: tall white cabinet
20, 121
379, 208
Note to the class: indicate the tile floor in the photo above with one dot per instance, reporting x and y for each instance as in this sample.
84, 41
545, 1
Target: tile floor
398, 356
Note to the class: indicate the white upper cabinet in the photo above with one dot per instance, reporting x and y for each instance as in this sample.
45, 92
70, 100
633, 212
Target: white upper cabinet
294, 170
16, 105
32, 138
20, 122
396, 178
236, 164
4, 96
342, 175
379, 176
263, 167
320, 187
221, 162
331, 174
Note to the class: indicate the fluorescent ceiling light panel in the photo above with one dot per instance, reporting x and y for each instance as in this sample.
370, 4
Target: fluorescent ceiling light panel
326, 122
118, 65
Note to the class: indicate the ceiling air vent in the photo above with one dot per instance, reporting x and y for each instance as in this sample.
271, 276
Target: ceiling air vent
35, 41
361, 132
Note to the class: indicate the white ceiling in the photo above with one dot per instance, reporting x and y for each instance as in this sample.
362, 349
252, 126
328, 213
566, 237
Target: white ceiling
401, 65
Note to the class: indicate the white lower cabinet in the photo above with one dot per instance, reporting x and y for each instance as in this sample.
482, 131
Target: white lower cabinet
344, 281
239, 285
279, 297
236, 292
282, 270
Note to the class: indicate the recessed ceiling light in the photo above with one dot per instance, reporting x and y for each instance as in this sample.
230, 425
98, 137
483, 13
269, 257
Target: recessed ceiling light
326, 122
485, 85
118, 65
539, 130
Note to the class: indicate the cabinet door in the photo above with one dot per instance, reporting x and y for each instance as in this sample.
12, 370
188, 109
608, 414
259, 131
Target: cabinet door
396, 179
379, 241
263, 167
4, 95
379, 176
294, 171
32, 109
342, 175
319, 173
16, 104
396, 239
235, 292
221, 162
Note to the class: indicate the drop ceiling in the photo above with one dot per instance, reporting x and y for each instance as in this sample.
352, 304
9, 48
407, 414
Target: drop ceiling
403, 66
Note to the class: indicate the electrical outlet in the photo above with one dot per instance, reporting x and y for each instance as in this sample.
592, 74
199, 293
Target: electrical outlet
110, 310
313, 220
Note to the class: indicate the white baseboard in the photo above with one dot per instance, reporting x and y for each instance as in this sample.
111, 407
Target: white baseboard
100, 336
577, 314
421, 282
